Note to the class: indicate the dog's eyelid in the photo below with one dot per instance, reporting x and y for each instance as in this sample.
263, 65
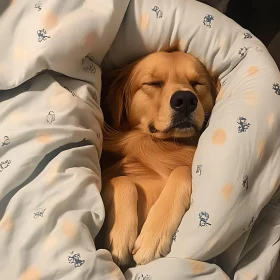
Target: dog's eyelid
196, 83
154, 84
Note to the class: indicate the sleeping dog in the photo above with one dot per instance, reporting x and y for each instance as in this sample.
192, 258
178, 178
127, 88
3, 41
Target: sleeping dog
157, 107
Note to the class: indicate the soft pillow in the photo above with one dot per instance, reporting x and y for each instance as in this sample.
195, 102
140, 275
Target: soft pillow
236, 166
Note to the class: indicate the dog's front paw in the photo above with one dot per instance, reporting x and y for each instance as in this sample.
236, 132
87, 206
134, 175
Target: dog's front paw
120, 241
153, 242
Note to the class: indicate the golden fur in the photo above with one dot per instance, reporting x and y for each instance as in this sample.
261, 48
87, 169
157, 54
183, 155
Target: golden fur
147, 190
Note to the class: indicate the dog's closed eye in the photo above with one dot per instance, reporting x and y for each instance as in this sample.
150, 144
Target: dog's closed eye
157, 84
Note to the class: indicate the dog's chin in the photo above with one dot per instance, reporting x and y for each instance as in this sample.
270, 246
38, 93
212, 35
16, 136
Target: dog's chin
179, 133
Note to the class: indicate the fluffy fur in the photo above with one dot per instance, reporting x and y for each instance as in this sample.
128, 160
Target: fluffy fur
147, 155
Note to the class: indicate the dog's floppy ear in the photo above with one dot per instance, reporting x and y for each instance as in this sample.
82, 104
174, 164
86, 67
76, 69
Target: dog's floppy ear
119, 94
216, 86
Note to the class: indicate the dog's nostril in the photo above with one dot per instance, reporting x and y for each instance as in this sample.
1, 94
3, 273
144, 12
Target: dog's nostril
194, 101
179, 103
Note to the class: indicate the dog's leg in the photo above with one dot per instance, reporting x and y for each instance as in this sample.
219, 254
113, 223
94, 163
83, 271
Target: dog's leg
164, 217
121, 220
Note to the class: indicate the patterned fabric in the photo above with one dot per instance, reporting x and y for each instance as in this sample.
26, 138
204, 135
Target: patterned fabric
50, 140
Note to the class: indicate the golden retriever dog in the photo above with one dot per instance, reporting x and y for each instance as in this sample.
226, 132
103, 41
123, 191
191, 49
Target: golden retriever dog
157, 106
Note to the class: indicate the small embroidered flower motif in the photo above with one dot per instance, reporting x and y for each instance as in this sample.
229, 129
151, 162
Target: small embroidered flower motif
199, 169
6, 141
203, 217
39, 213
50, 117
248, 35
144, 277
243, 124
276, 88
242, 51
245, 183
208, 20
72, 92
158, 11
42, 35
88, 64
251, 222
38, 6
258, 49
175, 236
75, 259
4, 164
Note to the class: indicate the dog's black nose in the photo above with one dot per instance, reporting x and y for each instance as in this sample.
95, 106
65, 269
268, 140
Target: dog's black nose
183, 102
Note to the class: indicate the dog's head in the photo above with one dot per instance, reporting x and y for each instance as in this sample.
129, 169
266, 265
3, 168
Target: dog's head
166, 94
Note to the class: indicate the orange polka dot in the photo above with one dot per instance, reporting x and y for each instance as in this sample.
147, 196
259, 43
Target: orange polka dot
20, 54
261, 147
212, 242
7, 223
44, 137
16, 117
182, 44
69, 229
253, 71
252, 98
89, 41
32, 273
62, 99
12, 2
219, 137
144, 22
52, 174
270, 120
197, 267
223, 42
49, 20
248, 276
220, 95
49, 243
227, 191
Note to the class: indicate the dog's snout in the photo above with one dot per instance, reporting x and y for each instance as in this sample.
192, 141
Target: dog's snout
183, 102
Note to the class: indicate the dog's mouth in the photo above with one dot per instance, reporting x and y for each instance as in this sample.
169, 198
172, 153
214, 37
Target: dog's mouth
182, 124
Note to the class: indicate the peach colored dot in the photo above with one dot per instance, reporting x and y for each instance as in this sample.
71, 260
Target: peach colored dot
252, 98
12, 2
219, 137
20, 54
271, 119
7, 223
197, 267
253, 71
52, 173
49, 20
182, 44
32, 273
261, 147
248, 276
89, 41
144, 21
223, 42
227, 191
212, 242
44, 137
62, 99
16, 117
69, 229
49, 243
220, 94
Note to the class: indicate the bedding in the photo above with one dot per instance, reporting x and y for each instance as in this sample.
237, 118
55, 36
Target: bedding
51, 57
